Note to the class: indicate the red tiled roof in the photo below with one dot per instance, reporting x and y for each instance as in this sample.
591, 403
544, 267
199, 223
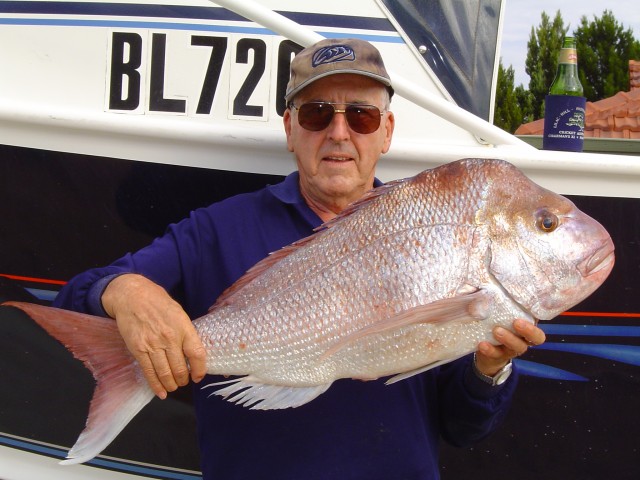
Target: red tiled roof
613, 117
634, 74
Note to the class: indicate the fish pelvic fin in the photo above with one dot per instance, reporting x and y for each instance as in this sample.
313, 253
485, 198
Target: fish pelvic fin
250, 392
417, 371
121, 390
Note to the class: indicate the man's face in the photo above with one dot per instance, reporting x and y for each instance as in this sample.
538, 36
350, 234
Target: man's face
337, 164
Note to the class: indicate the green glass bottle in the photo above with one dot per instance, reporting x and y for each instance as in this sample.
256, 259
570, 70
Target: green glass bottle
565, 105
567, 81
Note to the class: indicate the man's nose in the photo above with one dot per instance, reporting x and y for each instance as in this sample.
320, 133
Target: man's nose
338, 129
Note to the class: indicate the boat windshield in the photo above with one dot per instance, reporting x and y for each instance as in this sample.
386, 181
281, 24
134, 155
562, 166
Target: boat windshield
458, 40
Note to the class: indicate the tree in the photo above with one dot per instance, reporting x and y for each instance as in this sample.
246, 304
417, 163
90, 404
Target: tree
507, 113
604, 51
542, 57
513, 106
525, 101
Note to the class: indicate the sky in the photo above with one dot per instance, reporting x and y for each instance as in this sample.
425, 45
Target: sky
521, 15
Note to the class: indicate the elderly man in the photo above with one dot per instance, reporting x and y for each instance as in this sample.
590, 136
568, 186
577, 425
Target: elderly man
337, 125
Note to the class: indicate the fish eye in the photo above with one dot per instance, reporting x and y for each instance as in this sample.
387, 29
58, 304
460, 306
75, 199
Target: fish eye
546, 221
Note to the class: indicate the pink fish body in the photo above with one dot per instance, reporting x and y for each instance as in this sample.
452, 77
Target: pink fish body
414, 275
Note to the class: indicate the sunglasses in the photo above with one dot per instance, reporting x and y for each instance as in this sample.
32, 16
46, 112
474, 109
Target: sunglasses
316, 116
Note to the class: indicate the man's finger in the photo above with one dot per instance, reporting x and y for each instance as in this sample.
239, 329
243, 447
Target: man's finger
149, 373
163, 370
178, 367
532, 334
196, 355
514, 344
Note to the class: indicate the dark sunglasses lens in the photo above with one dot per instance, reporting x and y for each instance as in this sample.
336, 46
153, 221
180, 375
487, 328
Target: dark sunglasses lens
363, 118
315, 116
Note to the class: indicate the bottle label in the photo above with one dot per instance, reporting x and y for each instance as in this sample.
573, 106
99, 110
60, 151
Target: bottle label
564, 123
568, 55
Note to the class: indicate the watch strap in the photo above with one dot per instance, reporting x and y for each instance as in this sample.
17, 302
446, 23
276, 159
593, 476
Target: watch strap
499, 378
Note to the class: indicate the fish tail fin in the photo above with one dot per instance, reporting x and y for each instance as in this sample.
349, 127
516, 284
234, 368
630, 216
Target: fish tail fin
121, 390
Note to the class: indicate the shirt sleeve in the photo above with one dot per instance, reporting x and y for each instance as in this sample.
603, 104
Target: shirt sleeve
471, 409
161, 262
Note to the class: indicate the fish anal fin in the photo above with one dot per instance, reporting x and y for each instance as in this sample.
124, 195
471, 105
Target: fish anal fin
121, 390
256, 395
461, 308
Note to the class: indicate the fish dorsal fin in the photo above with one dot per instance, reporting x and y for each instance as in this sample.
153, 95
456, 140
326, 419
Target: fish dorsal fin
461, 308
367, 198
227, 297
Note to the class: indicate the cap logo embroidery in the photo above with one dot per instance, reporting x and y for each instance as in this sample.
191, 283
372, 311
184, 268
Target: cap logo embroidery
334, 53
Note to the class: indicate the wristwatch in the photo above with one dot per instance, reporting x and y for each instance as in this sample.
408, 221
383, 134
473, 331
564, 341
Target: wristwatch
499, 378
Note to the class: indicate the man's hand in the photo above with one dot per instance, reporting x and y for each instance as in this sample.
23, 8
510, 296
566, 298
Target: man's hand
157, 331
491, 358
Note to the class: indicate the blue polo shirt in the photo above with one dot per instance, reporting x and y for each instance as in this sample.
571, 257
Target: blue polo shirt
356, 430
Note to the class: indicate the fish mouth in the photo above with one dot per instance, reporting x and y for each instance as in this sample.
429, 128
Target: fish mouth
594, 270
601, 261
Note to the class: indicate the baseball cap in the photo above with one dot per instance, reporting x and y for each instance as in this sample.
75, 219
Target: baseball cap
336, 55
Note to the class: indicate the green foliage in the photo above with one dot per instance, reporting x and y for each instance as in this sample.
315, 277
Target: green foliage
525, 101
542, 57
513, 105
604, 51
507, 113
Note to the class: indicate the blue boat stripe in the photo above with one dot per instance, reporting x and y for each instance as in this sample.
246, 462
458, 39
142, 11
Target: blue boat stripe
195, 14
180, 26
186, 12
621, 353
591, 330
47, 295
540, 370
70, 22
119, 10
115, 465
31, 447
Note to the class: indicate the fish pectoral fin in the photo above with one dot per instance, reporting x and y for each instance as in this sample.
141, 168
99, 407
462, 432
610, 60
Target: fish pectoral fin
250, 392
461, 308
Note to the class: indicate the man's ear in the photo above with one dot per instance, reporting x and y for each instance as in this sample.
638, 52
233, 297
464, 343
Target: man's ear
389, 125
286, 120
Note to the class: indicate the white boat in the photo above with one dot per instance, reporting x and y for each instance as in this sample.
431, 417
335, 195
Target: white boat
119, 117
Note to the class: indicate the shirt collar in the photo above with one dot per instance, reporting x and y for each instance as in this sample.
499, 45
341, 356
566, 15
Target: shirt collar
288, 192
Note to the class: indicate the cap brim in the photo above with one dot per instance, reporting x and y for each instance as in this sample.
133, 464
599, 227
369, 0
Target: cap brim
383, 80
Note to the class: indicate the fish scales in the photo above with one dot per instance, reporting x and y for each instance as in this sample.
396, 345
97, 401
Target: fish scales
385, 257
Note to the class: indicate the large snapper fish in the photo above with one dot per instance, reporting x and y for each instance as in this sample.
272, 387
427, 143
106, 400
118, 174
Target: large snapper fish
414, 275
